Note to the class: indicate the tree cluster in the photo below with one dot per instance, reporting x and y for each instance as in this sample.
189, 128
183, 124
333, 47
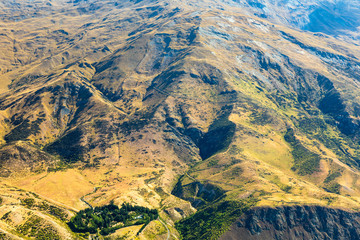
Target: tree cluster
107, 219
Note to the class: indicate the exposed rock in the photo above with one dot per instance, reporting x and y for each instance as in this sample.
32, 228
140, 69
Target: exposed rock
295, 222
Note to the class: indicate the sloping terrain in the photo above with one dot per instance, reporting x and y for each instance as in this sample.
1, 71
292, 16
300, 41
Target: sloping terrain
339, 17
177, 104
296, 223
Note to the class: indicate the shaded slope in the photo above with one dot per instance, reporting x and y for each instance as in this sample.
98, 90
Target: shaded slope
295, 222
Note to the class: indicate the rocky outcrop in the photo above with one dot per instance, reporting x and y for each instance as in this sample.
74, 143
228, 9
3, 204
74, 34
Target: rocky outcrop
295, 222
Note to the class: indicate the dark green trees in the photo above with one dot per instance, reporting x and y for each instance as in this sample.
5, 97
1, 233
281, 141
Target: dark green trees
107, 219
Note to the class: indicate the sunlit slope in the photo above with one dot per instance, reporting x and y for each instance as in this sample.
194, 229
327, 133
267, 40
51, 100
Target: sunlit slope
116, 102
292, 114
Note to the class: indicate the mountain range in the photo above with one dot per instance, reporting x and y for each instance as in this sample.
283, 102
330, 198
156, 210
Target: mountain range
230, 117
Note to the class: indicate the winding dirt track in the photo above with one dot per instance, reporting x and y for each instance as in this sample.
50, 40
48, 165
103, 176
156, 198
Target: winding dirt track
84, 201
168, 231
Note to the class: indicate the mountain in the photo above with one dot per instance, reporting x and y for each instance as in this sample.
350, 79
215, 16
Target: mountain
199, 109
338, 18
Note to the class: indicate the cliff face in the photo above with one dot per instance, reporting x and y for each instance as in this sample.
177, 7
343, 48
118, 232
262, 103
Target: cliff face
295, 222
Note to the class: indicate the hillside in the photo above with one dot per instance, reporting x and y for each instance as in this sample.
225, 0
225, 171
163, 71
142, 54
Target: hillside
177, 106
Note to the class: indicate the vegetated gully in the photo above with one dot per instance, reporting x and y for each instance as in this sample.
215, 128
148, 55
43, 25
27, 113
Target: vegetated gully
217, 139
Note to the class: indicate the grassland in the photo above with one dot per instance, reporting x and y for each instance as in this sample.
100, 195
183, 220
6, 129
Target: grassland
115, 104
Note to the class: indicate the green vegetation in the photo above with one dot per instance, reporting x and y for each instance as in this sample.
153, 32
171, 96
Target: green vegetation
24, 129
199, 194
235, 150
212, 221
141, 119
321, 130
28, 202
333, 187
59, 166
33, 227
213, 162
234, 172
68, 147
312, 125
6, 216
45, 207
305, 161
161, 192
52, 210
332, 176
284, 187
109, 218
262, 117
330, 185
329, 199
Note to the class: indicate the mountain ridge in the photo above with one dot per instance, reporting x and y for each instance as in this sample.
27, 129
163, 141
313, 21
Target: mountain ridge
128, 97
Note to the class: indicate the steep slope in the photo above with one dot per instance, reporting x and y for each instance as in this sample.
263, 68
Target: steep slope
28, 215
338, 18
296, 223
127, 97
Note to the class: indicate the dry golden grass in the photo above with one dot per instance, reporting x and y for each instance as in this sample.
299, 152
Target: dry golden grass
15, 212
127, 233
66, 187
142, 166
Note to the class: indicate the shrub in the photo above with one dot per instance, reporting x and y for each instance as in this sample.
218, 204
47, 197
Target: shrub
305, 161
212, 221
